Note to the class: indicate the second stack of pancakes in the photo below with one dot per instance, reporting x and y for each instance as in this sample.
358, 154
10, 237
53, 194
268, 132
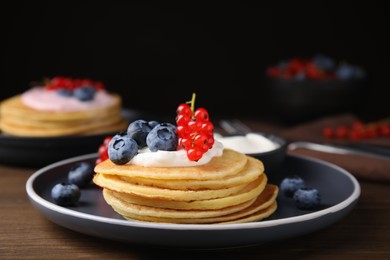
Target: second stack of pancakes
21, 120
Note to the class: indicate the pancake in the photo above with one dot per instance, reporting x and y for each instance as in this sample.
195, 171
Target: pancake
263, 206
115, 183
85, 128
259, 215
229, 164
146, 212
20, 120
250, 191
251, 171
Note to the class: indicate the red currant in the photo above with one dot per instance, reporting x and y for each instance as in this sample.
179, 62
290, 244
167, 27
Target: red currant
194, 126
186, 143
341, 132
194, 154
207, 127
107, 140
384, 130
201, 115
194, 129
182, 120
103, 150
358, 130
201, 141
183, 131
184, 109
328, 132
71, 83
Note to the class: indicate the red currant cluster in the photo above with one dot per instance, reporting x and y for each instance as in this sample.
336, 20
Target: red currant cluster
359, 130
297, 67
103, 150
71, 83
194, 129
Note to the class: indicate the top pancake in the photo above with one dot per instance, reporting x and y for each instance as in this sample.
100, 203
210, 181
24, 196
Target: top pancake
230, 163
252, 170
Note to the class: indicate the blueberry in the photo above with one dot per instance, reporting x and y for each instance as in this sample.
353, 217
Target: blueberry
85, 93
282, 65
307, 198
290, 184
324, 62
138, 130
162, 137
122, 148
63, 92
169, 125
345, 71
153, 123
300, 76
81, 174
65, 194
348, 71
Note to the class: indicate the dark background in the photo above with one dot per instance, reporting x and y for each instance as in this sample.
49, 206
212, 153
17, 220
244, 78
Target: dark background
156, 56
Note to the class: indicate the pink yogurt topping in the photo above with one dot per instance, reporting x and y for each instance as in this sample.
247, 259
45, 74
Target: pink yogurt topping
48, 100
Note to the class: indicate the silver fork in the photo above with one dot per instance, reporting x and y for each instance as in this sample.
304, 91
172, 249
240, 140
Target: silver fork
234, 126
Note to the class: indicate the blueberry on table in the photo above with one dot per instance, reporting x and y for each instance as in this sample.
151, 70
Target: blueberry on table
307, 198
162, 137
290, 184
65, 194
122, 149
81, 174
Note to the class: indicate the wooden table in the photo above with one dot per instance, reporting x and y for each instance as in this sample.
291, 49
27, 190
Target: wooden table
24, 233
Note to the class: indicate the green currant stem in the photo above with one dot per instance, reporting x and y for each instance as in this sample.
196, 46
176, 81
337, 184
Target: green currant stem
192, 102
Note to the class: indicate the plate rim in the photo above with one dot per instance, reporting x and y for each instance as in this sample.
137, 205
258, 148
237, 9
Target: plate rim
353, 197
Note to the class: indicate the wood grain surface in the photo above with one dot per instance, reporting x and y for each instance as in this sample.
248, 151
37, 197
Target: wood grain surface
25, 233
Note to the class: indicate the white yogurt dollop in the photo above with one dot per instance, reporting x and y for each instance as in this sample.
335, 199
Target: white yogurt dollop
173, 158
249, 144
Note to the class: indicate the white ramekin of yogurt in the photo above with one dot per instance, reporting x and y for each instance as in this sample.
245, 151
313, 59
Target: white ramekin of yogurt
269, 148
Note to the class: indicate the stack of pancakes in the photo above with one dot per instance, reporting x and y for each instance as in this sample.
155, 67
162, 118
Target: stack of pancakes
231, 188
20, 120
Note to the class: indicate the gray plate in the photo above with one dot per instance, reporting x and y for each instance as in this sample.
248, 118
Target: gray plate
340, 192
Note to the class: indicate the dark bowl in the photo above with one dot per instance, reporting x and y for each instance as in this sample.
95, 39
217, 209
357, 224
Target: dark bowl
295, 101
273, 159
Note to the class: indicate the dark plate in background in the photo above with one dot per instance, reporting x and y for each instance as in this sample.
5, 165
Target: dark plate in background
41, 151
